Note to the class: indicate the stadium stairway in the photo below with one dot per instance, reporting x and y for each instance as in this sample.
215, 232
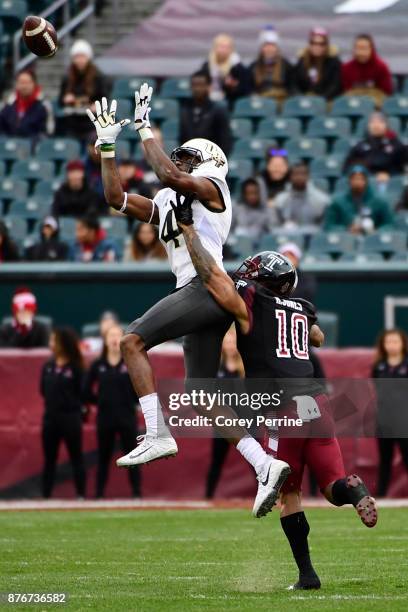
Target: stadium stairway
129, 15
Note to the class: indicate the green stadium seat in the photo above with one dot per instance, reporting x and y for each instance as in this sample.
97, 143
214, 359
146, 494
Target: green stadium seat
241, 128
399, 257
255, 107
334, 243
32, 208
386, 242
342, 146
16, 226
352, 106
304, 106
251, 148
170, 145
342, 185
14, 149
243, 246
361, 127
306, 148
67, 228
163, 108
126, 87
329, 323
33, 169
12, 14
58, 149
361, 258
279, 127
240, 169
46, 189
13, 189
125, 110
396, 105
115, 226
273, 242
2, 169
322, 184
176, 88
314, 258
170, 129
401, 220
329, 127
328, 167
123, 149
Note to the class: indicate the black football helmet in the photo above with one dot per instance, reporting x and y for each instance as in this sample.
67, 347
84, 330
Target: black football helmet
272, 270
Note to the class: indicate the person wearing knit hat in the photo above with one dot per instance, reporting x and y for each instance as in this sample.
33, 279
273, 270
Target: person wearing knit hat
79, 89
75, 198
24, 331
49, 247
271, 74
318, 71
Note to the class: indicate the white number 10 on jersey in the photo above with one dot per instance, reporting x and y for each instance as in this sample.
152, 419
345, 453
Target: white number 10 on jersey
299, 332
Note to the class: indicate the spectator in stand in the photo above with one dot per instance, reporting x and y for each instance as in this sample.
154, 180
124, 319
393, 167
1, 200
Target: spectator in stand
145, 244
8, 248
200, 117
274, 178
61, 388
108, 386
91, 243
79, 89
24, 331
359, 210
271, 75
229, 77
25, 115
301, 203
366, 74
392, 423
49, 248
75, 198
307, 285
131, 178
380, 151
250, 213
318, 71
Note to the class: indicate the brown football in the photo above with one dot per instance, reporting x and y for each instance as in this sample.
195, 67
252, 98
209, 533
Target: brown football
40, 36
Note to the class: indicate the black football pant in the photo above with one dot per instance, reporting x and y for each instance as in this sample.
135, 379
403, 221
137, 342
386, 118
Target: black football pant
386, 450
107, 432
65, 428
219, 453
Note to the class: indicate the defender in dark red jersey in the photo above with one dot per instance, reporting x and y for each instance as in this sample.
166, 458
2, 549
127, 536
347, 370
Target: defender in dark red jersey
274, 333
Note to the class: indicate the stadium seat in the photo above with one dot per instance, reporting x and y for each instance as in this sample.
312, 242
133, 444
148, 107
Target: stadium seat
243, 246
329, 127
58, 149
304, 106
399, 257
126, 87
46, 189
273, 242
361, 127
16, 226
176, 88
401, 220
334, 243
352, 106
123, 149
115, 226
327, 167
239, 169
255, 107
386, 242
2, 169
241, 128
169, 146
314, 258
279, 127
251, 148
321, 183
329, 323
306, 148
14, 149
12, 14
33, 169
361, 258
67, 228
163, 108
170, 129
32, 208
396, 105
342, 146
13, 189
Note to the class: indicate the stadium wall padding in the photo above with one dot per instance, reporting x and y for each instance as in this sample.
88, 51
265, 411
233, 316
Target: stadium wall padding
183, 477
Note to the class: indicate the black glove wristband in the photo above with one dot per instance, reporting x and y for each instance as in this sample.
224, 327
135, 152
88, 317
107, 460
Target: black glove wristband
183, 211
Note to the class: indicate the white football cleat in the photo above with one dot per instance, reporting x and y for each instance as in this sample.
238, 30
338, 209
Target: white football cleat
149, 449
270, 481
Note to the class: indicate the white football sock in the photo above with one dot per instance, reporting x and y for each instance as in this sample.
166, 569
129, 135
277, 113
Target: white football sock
253, 452
153, 415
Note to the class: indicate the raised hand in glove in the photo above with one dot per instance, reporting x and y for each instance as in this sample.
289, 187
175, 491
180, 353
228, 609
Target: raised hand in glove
142, 109
183, 211
107, 129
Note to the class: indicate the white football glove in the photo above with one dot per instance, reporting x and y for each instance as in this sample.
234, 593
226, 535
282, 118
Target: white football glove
142, 109
105, 122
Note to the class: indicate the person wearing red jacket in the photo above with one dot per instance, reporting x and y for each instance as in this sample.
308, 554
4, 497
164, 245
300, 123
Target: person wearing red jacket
366, 73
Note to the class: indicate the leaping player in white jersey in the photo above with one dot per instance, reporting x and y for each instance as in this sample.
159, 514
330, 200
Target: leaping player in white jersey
196, 170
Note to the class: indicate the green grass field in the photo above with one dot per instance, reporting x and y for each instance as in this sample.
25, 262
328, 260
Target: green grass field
201, 560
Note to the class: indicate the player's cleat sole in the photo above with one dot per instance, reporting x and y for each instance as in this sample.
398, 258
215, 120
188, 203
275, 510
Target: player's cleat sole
365, 505
270, 483
306, 584
150, 449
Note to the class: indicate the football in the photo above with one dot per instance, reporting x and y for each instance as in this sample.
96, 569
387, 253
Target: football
40, 36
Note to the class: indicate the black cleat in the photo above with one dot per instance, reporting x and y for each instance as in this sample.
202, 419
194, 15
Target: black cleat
306, 583
361, 499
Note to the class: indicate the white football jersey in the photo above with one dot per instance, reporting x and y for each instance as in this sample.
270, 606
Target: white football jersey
212, 227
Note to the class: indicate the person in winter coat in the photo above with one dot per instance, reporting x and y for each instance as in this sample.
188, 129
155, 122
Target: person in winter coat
318, 71
25, 115
49, 248
91, 243
24, 331
229, 77
75, 198
359, 210
271, 74
250, 213
367, 73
